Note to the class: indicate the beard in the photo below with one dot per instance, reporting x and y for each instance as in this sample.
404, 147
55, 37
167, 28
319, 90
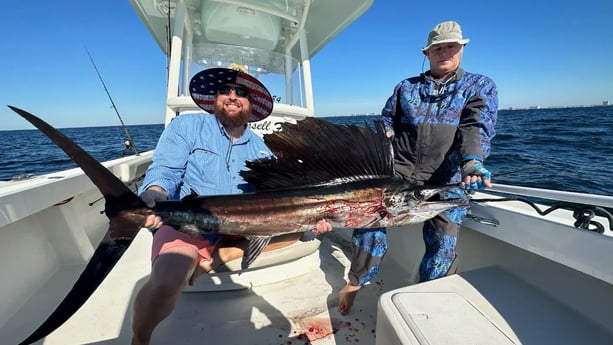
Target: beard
233, 120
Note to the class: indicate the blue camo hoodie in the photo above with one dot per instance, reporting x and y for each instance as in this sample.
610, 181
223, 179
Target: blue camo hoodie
440, 124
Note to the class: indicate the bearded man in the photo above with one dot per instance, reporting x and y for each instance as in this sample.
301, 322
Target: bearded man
200, 154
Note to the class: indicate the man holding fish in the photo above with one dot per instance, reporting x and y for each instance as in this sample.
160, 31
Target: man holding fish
305, 183
198, 182
198, 185
441, 123
200, 155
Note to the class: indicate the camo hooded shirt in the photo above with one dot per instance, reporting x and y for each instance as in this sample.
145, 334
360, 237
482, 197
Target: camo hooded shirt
439, 124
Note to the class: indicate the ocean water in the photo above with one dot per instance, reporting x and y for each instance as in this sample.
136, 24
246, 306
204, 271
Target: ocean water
561, 148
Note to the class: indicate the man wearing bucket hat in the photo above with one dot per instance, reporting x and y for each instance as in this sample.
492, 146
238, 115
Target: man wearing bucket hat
441, 124
200, 155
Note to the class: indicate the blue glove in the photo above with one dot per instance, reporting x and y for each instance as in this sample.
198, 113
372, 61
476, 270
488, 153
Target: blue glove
475, 168
151, 197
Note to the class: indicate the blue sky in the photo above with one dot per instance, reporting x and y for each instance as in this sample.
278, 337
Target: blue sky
538, 53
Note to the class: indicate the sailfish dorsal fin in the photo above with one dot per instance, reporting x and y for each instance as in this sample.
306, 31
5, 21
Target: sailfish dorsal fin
315, 151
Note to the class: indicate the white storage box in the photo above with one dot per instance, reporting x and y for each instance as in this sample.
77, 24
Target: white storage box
408, 317
484, 306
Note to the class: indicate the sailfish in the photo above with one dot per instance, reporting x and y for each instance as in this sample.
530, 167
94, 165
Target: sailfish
341, 173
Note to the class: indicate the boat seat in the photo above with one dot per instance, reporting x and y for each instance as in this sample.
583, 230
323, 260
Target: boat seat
296, 259
484, 306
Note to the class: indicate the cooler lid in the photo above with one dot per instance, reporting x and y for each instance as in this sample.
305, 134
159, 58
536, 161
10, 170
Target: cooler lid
446, 318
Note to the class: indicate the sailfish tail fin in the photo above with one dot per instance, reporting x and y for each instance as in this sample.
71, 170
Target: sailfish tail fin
102, 262
124, 224
109, 185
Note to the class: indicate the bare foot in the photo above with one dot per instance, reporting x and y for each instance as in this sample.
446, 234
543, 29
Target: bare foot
346, 298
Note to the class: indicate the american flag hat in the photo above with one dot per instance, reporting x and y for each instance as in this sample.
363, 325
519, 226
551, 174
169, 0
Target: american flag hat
203, 89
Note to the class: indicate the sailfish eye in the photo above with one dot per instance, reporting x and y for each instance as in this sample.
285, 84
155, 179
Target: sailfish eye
418, 194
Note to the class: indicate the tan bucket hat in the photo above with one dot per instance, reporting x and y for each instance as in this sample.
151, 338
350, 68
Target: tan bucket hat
445, 32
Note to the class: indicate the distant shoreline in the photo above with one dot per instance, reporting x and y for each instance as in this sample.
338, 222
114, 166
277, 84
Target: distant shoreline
535, 107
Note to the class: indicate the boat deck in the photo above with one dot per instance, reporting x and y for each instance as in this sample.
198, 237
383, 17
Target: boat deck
503, 292
298, 310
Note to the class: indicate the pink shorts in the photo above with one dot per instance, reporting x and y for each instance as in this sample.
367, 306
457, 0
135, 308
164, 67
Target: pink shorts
166, 238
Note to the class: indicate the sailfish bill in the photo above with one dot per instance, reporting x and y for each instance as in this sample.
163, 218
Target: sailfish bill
343, 174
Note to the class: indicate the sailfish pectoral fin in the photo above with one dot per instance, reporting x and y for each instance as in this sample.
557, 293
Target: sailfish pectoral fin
102, 262
255, 247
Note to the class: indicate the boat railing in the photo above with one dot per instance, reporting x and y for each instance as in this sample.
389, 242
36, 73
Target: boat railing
557, 195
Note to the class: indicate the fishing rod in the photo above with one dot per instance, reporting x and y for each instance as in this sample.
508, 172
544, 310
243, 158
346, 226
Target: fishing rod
129, 143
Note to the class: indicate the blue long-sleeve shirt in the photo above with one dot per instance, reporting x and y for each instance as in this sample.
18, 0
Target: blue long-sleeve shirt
196, 155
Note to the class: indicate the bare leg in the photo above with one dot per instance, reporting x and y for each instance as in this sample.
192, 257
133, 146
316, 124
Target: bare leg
234, 249
157, 298
367, 251
346, 298
170, 273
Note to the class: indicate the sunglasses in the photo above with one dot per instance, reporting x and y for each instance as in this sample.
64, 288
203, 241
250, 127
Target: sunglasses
239, 90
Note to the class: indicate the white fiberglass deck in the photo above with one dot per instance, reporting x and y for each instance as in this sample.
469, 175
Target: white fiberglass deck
522, 295
295, 310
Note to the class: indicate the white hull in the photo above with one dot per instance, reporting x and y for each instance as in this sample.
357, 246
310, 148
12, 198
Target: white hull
531, 280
